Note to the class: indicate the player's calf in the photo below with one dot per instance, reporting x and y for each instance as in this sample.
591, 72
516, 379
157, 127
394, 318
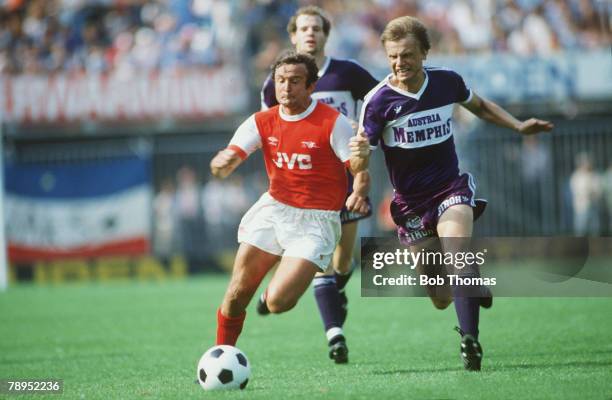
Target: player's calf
344, 305
341, 281
486, 299
330, 301
333, 314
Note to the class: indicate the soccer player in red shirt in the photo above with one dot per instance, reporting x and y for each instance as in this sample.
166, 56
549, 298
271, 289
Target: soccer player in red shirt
342, 84
297, 221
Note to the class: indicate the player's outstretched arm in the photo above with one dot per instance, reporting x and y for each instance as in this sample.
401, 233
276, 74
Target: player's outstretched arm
246, 139
358, 200
224, 163
491, 112
360, 153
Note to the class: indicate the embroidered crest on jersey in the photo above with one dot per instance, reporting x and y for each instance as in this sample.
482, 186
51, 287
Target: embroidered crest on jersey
309, 144
272, 141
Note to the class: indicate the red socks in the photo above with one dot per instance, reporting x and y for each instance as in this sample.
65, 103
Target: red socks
229, 328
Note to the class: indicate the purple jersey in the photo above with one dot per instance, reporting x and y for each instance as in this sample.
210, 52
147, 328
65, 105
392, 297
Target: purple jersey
415, 130
341, 84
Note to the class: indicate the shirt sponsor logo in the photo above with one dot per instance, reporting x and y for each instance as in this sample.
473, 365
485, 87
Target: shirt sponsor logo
303, 161
406, 135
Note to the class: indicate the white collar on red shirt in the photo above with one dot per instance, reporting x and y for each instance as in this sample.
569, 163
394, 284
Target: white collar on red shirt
299, 116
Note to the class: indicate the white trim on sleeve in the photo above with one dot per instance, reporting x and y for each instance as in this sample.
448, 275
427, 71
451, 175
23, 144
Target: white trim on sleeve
340, 137
469, 97
247, 136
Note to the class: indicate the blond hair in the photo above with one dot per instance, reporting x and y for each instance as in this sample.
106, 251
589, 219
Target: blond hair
399, 28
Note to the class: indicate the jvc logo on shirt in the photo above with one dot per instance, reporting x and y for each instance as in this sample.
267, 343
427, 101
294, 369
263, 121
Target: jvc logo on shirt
303, 160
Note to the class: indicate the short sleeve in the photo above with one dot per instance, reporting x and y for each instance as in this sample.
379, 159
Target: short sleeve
370, 123
246, 137
340, 137
464, 94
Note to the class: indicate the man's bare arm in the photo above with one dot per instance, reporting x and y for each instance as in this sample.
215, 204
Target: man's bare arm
360, 153
491, 112
357, 201
224, 163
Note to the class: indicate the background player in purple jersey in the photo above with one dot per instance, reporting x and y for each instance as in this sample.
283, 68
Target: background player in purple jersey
342, 84
410, 115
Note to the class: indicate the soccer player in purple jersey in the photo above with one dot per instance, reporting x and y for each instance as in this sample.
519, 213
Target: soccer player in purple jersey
342, 84
409, 114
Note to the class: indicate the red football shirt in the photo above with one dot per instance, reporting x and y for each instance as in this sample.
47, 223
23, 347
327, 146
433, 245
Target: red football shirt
304, 154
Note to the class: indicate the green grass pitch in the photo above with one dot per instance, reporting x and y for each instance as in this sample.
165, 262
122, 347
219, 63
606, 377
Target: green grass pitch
142, 340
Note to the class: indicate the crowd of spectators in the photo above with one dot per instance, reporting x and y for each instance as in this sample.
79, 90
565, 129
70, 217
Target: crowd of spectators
124, 36
45, 36
523, 27
197, 217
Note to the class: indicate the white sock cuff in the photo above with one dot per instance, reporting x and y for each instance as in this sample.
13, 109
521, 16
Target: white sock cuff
333, 332
324, 280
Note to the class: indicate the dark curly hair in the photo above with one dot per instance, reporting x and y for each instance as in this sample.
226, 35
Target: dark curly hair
292, 57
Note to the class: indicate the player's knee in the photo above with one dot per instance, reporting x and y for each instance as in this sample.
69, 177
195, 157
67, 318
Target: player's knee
441, 303
277, 304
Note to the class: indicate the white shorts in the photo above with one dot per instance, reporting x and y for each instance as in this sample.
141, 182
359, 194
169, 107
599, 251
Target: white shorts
284, 230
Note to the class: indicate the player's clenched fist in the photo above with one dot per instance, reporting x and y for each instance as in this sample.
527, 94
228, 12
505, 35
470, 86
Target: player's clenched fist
224, 163
357, 203
360, 146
